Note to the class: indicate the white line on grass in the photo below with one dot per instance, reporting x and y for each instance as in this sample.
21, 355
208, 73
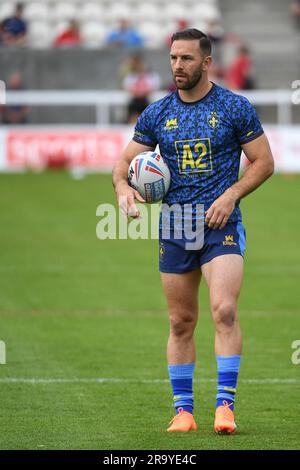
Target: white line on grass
101, 380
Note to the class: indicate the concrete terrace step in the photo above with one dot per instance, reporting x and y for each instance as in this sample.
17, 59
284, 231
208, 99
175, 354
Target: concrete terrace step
267, 28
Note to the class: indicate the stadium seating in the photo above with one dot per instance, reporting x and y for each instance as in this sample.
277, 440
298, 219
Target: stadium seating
154, 20
92, 12
146, 12
64, 11
174, 11
118, 10
6, 9
36, 11
151, 33
93, 34
206, 11
40, 34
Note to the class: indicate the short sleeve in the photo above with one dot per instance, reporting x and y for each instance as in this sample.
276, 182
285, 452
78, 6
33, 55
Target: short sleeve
246, 121
143, 133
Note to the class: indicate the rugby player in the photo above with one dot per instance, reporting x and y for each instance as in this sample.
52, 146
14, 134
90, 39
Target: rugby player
201, 129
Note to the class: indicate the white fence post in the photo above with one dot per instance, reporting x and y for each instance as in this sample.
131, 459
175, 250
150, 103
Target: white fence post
2, 352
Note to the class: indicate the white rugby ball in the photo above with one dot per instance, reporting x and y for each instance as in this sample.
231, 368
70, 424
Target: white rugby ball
150, 176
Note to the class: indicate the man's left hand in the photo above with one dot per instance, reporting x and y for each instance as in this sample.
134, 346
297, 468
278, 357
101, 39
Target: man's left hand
219, 212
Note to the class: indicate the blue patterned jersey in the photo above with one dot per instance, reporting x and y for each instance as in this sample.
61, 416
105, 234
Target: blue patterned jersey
200, 142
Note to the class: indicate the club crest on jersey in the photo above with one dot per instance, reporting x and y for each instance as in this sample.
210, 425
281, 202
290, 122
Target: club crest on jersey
213, 119
171, 124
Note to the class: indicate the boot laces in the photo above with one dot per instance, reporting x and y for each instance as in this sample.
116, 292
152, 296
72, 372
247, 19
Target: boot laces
180, 411
227, 412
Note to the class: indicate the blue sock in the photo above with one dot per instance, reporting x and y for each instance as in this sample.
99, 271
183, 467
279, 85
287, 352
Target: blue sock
181, 376
228, 371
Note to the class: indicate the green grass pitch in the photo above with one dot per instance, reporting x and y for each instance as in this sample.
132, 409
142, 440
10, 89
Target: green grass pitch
73, 307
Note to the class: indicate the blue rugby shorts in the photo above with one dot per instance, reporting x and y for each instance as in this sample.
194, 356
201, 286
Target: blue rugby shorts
175, 258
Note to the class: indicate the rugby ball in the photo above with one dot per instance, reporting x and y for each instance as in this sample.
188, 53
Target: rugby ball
150, 176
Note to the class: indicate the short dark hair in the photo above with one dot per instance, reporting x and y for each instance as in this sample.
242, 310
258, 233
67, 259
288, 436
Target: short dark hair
190, 35
19, 6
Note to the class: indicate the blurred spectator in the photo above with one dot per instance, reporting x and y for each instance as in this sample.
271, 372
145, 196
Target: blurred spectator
295, 10
14, 114
140, 83
171, 87
181, 25
129, 66
14, 28
240, 74
124, 36
216, 73
70, 37
215, 32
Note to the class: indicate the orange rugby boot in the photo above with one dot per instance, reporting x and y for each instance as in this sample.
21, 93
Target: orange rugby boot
182, 422
224, 419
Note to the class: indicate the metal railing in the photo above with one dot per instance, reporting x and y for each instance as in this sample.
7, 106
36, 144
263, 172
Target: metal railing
103, 101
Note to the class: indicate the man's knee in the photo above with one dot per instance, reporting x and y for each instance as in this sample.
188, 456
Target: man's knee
182, 323
224, 314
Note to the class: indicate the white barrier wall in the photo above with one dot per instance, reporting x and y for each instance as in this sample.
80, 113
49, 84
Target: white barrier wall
97, 148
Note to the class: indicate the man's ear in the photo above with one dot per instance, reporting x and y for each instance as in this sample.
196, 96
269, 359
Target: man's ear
206, 63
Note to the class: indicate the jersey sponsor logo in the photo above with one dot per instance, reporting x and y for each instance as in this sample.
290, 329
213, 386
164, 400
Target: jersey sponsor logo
194, 156
249, 133
213, 119
171, 124
229, 241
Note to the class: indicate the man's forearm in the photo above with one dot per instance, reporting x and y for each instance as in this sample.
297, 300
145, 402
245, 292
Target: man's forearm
120, 173
253, 177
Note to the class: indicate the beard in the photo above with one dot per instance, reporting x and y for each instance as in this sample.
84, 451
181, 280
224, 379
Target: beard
188, 82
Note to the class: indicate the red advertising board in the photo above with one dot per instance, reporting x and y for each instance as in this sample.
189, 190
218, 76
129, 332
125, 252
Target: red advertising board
98, 149
39, 149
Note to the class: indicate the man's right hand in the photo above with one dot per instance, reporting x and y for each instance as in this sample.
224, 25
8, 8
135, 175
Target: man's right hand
126, 197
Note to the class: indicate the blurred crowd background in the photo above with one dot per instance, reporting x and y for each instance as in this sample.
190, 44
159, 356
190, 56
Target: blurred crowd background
108, 45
